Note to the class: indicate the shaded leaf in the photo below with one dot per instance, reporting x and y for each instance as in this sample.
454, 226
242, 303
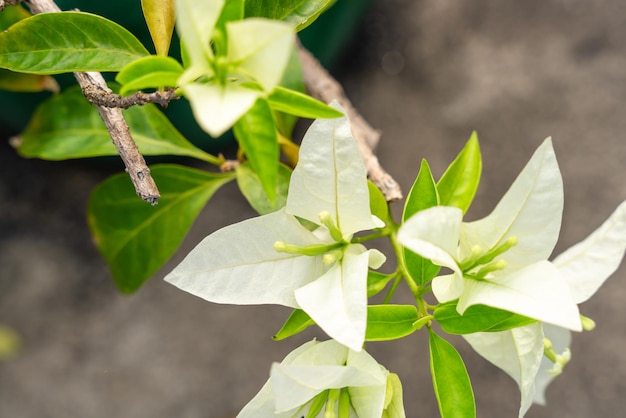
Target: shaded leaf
160, 18
451, 382
390, 322
54, 43
26, 83
11, 15
297, 322
459, 183
301, 13
149, 72
378, 203
137, 239
256, 133
477, 318
423, 195
250, 185
67, 126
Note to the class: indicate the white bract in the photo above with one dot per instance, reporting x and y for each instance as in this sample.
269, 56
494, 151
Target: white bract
255, 50
520, 352
274, 259
317, 369
501, 260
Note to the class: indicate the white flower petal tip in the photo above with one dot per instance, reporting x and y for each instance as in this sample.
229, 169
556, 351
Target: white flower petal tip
317, 366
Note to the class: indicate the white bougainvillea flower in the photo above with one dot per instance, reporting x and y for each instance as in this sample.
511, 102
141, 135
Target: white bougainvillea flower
216, 81
309, 375
520, 352
501, 260
274, 259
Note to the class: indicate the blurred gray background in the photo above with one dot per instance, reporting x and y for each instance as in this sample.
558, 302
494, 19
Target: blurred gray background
426, 73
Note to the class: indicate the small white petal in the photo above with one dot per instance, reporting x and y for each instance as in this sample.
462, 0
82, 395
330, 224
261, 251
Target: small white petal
530, 210
337, 301
434, 234
586, 265
448, 287
217, 108
377, 259
518, 352
537, 291
238, 263
331, 176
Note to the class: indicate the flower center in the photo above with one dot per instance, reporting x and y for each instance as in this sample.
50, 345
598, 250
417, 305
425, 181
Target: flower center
480, 262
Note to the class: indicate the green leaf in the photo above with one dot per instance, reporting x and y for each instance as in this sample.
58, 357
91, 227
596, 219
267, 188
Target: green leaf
477, 318
299, 104
160, 17
54, 43
11, 15
297, 322
451, 382
299, 12
20, 82
67, 126
378, 203
233, 10
250, 185
459, 183
292, 80
423, 195
377, 281
390, 322
257, 136
137, 239
149, 72
195, 21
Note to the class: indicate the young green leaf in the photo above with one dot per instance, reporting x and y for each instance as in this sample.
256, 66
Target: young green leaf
149, 72
195, 21
137, 239
20, 82
477, 318
233, 10
12, 15
160, 18
67, 126
250, 185
54, 43
256, 133
297, 322
451, 382
423, 195
299, 104
301, 13
292, 80
378, 203
458, 184
390, 322
377, 281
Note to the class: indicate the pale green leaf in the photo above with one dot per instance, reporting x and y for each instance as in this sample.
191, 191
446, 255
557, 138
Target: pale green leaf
300, 104
258, 138
477, 318
67, 126
238, 264
54, 43
331, 176
451, 382
149, 72
390, 322
377, 281
260, 48
160, 17
459, 183
297, 322
250, 186
378, 204
586, 265
217, 108
137, 239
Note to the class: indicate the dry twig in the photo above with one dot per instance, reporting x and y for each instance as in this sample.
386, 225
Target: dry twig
114, 120
321, 85
99, 97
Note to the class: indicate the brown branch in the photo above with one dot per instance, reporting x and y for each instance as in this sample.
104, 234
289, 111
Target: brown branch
321, 85
114, 120
100, 97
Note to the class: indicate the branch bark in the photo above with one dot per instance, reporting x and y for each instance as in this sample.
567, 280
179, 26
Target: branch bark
4, 3
321, 85
114, 120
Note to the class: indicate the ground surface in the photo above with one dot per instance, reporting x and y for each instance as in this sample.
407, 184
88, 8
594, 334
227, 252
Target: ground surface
426, 73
